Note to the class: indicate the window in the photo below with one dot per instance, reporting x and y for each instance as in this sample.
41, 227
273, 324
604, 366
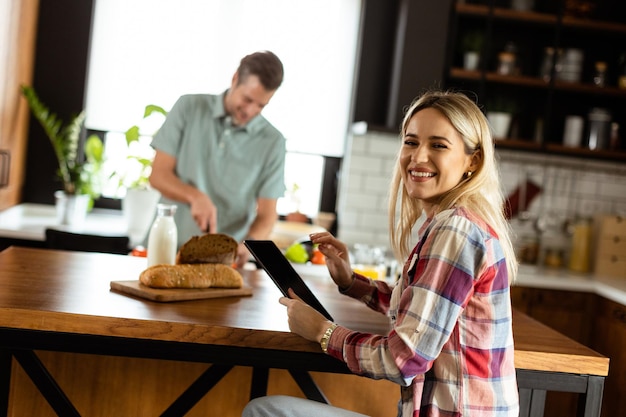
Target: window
153, 51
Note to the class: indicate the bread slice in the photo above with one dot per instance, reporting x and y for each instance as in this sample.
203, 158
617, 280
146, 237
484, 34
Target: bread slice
191, 276
210, 248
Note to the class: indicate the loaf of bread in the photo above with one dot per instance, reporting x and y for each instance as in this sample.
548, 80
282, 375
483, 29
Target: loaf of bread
210, 248
207, 275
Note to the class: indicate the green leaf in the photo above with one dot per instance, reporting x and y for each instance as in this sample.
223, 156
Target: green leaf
151, 108
94, 149
132, 135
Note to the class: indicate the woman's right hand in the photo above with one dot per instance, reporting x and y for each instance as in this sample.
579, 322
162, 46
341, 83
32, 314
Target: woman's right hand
337, 258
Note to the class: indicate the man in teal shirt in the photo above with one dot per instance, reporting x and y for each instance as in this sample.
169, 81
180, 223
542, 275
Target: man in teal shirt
220, 161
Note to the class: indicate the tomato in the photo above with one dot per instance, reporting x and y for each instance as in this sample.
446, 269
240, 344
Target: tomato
139, 251
318, 257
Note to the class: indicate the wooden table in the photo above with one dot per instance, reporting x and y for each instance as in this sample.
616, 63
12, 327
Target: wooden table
61, 301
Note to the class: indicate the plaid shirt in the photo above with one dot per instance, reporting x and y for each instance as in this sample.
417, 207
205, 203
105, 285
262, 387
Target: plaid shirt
451, 345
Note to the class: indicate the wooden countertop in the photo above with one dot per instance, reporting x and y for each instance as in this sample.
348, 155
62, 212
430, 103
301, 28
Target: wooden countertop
540, 348
70, 292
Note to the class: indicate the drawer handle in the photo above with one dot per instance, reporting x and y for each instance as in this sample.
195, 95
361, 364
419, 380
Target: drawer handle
619, 315
5, 160
616, 239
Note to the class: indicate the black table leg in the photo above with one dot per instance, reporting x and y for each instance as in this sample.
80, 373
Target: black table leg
5, 381
590, 405
45, 383
259, 382
308, 386
197, 390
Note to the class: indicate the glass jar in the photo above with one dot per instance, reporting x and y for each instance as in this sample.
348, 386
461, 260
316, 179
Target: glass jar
506, 63
163, 238
599, 129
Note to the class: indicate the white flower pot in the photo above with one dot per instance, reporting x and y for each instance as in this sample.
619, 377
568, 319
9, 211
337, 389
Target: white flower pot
500, 123
71, 209
139, 207
471, 60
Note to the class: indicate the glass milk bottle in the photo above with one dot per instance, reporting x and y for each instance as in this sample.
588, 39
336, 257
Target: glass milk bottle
162, 241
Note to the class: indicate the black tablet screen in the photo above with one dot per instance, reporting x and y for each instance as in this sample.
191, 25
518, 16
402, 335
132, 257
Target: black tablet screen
272, 260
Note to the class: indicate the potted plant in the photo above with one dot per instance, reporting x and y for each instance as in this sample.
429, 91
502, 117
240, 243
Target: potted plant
140, 200
500, 111
79, 175
472, 45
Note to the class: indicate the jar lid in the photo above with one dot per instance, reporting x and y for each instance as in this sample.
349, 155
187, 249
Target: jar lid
600, 114
506, 56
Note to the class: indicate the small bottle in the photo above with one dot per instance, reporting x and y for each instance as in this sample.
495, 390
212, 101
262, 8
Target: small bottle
163, 238
621, 77
599, 77
546, 65
581, 246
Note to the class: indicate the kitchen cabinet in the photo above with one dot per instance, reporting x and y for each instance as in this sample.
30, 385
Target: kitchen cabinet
541, 93
16, 68
591, 320
567, 312
403, 48
609, 338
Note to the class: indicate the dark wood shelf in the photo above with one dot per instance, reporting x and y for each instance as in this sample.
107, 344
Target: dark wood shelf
536, 17
553, 148
527, 81
518, 144
548, 102
582, 152
502, 13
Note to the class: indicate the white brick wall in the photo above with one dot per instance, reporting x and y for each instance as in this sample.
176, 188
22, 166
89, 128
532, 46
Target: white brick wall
571, 186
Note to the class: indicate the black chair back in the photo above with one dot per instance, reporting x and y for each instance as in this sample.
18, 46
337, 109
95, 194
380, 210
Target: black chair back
58, 239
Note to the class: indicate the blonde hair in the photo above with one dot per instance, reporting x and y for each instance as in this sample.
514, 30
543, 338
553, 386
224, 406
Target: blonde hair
481, 192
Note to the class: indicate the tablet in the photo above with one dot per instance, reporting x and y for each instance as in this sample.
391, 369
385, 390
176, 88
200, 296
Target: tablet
272, 260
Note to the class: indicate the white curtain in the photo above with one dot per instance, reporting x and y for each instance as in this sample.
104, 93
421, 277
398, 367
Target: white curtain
152, 51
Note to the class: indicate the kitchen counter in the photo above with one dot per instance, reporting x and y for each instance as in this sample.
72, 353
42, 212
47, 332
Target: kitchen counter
611, 288
536, 277
28, 222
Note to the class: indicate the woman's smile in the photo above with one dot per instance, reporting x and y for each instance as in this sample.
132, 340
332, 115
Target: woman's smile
433, 156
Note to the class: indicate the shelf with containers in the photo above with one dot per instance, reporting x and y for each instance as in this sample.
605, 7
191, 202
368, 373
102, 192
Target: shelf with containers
540, 65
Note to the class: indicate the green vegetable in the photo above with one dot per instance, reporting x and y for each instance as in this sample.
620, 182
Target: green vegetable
297, 253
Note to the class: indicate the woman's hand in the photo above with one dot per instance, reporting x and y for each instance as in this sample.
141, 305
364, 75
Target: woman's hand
304, 320
337, 258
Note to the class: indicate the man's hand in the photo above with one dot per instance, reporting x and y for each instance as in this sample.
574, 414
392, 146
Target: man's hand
243, 255
204, 213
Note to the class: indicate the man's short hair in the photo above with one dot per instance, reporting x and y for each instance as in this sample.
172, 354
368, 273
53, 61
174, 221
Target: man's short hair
265, 65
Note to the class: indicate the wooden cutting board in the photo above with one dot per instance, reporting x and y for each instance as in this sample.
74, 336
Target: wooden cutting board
176, 294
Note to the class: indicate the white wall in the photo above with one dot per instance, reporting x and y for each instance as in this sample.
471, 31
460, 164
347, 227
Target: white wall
572, 186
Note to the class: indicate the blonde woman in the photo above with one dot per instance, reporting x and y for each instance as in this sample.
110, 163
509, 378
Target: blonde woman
451, 344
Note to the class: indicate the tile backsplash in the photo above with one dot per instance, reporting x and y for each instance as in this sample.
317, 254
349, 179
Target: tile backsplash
570, 187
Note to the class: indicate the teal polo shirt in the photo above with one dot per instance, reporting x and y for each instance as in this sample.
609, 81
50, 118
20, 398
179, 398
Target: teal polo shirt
233, 165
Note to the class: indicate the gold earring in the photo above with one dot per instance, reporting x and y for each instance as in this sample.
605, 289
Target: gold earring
469, 174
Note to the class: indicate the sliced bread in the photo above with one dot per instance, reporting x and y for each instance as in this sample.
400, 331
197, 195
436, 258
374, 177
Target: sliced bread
209, 248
